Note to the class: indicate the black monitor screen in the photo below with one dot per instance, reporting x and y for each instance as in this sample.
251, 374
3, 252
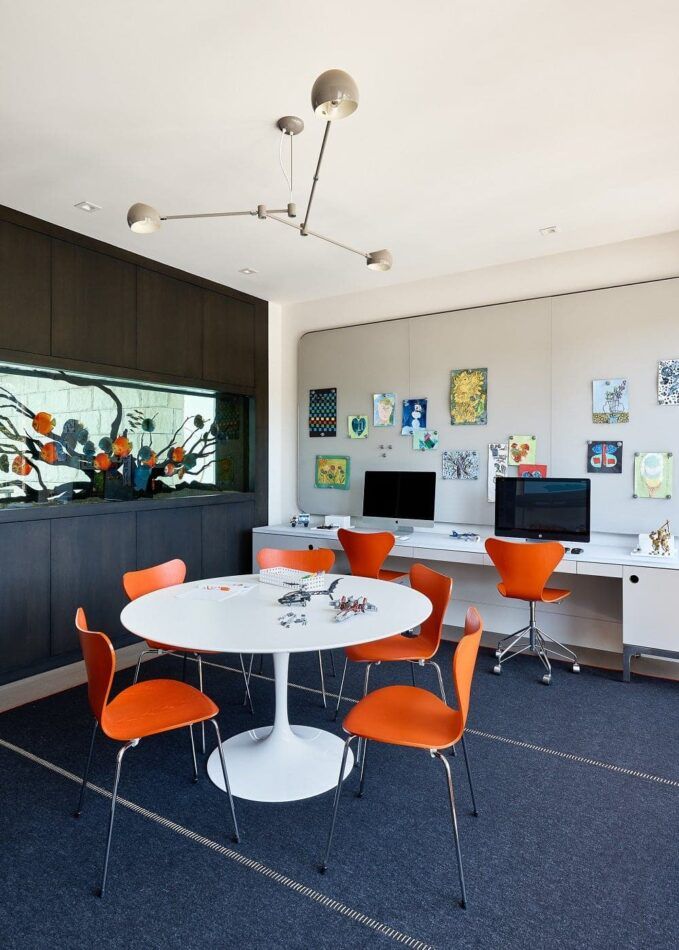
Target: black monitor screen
553, 509
406, 496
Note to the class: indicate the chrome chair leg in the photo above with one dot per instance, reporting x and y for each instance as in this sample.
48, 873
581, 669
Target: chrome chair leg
200, 687
359, 793
451, 796
246, 678
320, 667
339, 695
119, 762
261, 663
193, 753
76, 813
367, 677
412, 672
440, 679
139, 658
332, 664
236, 835
184, 669
324, 867
361, 742
469, 776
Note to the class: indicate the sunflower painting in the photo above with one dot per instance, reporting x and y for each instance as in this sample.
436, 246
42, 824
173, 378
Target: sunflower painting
469, 397
332, 471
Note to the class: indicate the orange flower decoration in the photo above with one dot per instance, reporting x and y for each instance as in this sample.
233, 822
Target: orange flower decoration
49, 453
122, 447
150, 461
20, 466
177, 454
44, 422
169, 469
102, 461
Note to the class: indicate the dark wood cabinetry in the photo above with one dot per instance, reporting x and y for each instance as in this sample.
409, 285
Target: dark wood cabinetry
228, 339
170, 533
169, 325
24, 289
25, 585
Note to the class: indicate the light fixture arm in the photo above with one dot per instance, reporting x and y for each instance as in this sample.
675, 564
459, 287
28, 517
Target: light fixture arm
322, 237
303, 229
221, 214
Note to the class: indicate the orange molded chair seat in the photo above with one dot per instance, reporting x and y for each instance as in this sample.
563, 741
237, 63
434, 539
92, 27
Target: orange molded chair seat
155, 645
396, 648
405, 715
367, 552
550, 595
155, 706
384, 575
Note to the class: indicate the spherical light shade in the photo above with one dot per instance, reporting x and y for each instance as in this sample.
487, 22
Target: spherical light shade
143, 219
380, 260
334, 95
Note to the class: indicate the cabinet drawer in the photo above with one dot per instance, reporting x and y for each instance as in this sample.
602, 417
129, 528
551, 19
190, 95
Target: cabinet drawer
452, 557
599, 570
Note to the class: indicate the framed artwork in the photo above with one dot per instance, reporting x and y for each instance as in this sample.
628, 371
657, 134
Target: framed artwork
653, 474
414, 415
460, 463
497, 465
332, 471
610, 400
322, 413
384, 409
357, 427
424, 440
532, 471
604, 457
668, 382
469, 397
522, 449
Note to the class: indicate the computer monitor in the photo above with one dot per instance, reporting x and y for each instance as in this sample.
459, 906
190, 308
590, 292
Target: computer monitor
543, 509
402, 500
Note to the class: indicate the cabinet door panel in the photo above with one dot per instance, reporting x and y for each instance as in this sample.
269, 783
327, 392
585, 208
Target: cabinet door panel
88, 559
169, 533
169, 325
228, 340
93, 306
227, 539
24, 594
24, 289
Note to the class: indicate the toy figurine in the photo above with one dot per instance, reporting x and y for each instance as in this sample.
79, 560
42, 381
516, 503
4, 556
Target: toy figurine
300, 598
348, 607
660, 540
288, 619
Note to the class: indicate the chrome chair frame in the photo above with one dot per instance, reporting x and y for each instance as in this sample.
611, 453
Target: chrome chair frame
320, 667
131, 744
537, 644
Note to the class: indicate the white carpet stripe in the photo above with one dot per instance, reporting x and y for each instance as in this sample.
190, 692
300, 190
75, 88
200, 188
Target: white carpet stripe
235, 856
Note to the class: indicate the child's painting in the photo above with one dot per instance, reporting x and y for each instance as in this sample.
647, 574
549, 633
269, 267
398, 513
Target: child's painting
610, 400
653, 474
460, 463
469, 397
497, 465
532, 471
604, 458
424, 440
357, 427
414, 415
522, 449
322, 413
668, 382
384, 409
332, 471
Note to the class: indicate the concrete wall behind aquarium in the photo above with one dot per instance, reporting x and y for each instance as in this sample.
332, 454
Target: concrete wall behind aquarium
66, 437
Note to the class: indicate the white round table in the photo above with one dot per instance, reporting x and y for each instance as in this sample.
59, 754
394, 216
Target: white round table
282, 762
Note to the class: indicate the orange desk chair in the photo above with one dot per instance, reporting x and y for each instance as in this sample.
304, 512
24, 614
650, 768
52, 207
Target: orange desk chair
525, 569
318, 559
138, 583
415, 718
367, 552
414, 650
145, 709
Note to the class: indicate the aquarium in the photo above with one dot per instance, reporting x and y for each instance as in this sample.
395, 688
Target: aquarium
67, 437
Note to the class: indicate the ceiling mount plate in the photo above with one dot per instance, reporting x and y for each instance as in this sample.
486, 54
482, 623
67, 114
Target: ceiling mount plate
290, 124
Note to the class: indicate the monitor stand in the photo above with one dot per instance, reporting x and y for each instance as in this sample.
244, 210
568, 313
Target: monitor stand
387, 524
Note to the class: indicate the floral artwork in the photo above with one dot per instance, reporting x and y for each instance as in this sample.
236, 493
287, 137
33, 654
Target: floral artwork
604, 458
414, 415
653, 474
322, 413
522, 449
532, 471
668, 382
460, 463
610, 400
469, 397
332, 471
384, 409
497, 465
357, 427
424, 440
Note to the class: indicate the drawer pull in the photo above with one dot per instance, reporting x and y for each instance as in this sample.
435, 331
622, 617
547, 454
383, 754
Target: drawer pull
634, 579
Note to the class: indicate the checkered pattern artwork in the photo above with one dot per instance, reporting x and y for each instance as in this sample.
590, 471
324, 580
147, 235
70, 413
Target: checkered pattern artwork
322, 413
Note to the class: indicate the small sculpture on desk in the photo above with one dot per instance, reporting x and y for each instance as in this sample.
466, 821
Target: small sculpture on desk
660, 540
348, 607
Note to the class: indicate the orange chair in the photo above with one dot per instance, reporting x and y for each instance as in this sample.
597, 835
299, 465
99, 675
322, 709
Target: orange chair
525, 569
367, 552
414, 650
138, 583
415, 718
318, 559
139, 711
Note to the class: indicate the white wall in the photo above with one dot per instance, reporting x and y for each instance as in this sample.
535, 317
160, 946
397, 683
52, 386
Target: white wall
626, 262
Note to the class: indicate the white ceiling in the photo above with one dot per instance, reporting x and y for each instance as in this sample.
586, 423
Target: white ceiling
480, 122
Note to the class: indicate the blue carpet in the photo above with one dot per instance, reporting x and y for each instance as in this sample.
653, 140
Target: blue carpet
575, 846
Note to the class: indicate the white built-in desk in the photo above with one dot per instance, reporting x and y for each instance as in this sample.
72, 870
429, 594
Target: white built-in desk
620, 603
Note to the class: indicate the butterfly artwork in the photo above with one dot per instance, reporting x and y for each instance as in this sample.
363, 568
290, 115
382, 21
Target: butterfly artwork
604, 458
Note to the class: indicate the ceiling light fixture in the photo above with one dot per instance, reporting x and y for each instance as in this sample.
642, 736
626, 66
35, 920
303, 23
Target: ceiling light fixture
552, 229
87, 206
248, 271
334, 96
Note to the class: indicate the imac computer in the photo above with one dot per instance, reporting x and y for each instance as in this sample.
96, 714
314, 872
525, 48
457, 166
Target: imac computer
543, 509
400, 501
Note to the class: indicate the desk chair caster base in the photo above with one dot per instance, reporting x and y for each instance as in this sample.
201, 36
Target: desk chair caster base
576, 668
533, 642
497, 668
547, 679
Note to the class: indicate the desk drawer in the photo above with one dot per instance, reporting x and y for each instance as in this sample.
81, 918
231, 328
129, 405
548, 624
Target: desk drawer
599, 570
452, 557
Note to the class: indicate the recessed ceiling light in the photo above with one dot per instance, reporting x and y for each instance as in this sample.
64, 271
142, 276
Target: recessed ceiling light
552, 229
87, 206
248, 271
